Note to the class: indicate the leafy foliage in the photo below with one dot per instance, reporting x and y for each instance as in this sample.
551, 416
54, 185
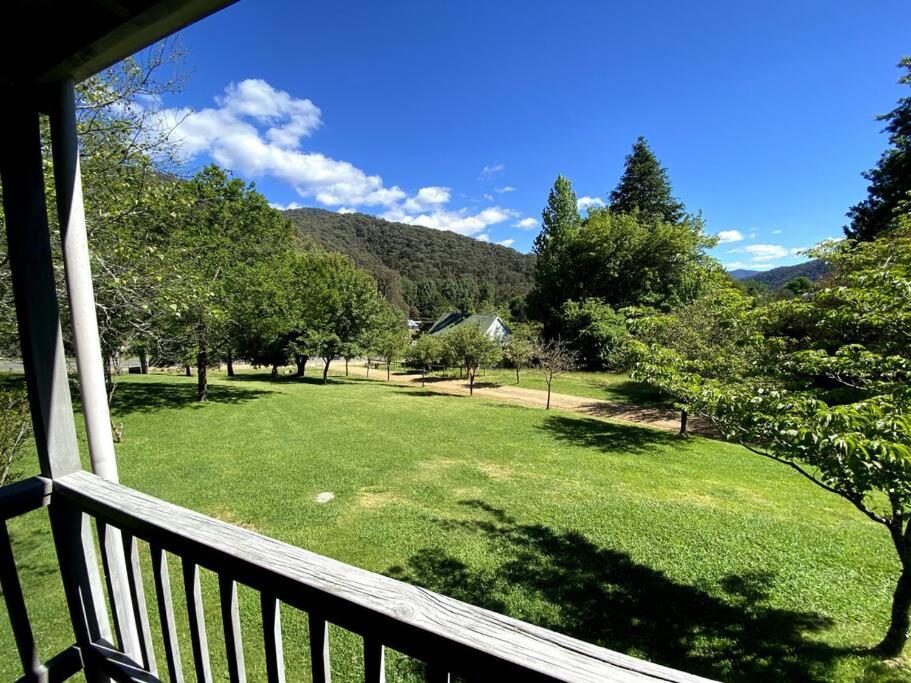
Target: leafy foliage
553, 269
823, 389
469, 347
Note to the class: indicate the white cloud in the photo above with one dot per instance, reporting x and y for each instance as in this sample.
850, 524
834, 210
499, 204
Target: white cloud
744, 265
459, 220
487, 196
588, 202
765, 252
285, 207
728, 236
257, 130
504, 189
506, 243
526, 224
490, 171
427, 197
776, 232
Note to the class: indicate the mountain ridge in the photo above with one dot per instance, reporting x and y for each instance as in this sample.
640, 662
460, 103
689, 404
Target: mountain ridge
421, 269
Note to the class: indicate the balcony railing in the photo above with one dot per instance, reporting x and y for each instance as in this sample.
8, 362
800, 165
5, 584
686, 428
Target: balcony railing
451, 637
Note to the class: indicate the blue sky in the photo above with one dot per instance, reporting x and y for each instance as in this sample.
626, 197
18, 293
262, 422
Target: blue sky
460, 115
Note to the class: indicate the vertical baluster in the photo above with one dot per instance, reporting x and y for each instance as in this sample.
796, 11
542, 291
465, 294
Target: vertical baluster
374, 661
272, 637
140, 611
230, 617
121, 605
166, 613
197, 621
16, 610
319, 649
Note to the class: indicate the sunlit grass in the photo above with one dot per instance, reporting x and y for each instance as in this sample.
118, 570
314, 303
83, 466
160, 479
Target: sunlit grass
691, 553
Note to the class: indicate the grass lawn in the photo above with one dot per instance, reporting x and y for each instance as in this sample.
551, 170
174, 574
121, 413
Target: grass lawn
693, 553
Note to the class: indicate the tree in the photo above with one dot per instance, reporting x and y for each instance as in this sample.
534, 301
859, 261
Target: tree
890, 179
389, 338
645, 187
471, 348
799, 285
519, 348
222, 227
424, 354
597, 332
560, 222
628, 260
711, 337
553, 358
15, 427
826, 392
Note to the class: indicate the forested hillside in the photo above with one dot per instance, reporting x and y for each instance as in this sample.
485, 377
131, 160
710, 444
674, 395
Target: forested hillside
424, 270
778, 277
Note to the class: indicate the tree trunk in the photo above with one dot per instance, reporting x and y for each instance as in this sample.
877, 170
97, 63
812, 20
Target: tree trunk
388, 370
470, 381
326, 369
346, 366
684, 417
548, 396
368, 366
897, 635
274, 370
230, 362
108, 379
301, 362
423, 375
143, 362
187, 371
202, 383
517, 374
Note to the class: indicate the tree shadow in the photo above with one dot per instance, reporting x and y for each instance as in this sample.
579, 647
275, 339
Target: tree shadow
562, 581
147, 397
637, 393
609, 437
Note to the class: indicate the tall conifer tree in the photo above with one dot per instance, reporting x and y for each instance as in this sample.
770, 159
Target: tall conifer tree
646, 187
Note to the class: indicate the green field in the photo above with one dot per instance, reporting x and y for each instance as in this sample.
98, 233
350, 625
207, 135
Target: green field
691, 553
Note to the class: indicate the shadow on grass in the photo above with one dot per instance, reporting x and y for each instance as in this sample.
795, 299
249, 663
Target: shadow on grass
636, 393
147, 397
606, 436
564, 582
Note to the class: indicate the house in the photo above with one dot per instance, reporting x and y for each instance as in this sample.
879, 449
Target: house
492, 325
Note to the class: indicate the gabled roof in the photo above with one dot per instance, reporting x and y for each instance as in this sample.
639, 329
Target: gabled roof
453, 319
446, 321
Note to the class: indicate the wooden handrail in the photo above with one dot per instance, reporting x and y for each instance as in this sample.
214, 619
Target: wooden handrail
449, 635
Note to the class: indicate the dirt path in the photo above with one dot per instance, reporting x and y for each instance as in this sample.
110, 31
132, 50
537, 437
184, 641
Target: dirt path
667, 419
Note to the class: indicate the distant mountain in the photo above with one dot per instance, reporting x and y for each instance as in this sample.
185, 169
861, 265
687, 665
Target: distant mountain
425, 270
743, 274
778, 277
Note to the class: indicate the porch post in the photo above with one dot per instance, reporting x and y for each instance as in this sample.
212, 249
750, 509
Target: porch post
28, 243
71, 214
81, 296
